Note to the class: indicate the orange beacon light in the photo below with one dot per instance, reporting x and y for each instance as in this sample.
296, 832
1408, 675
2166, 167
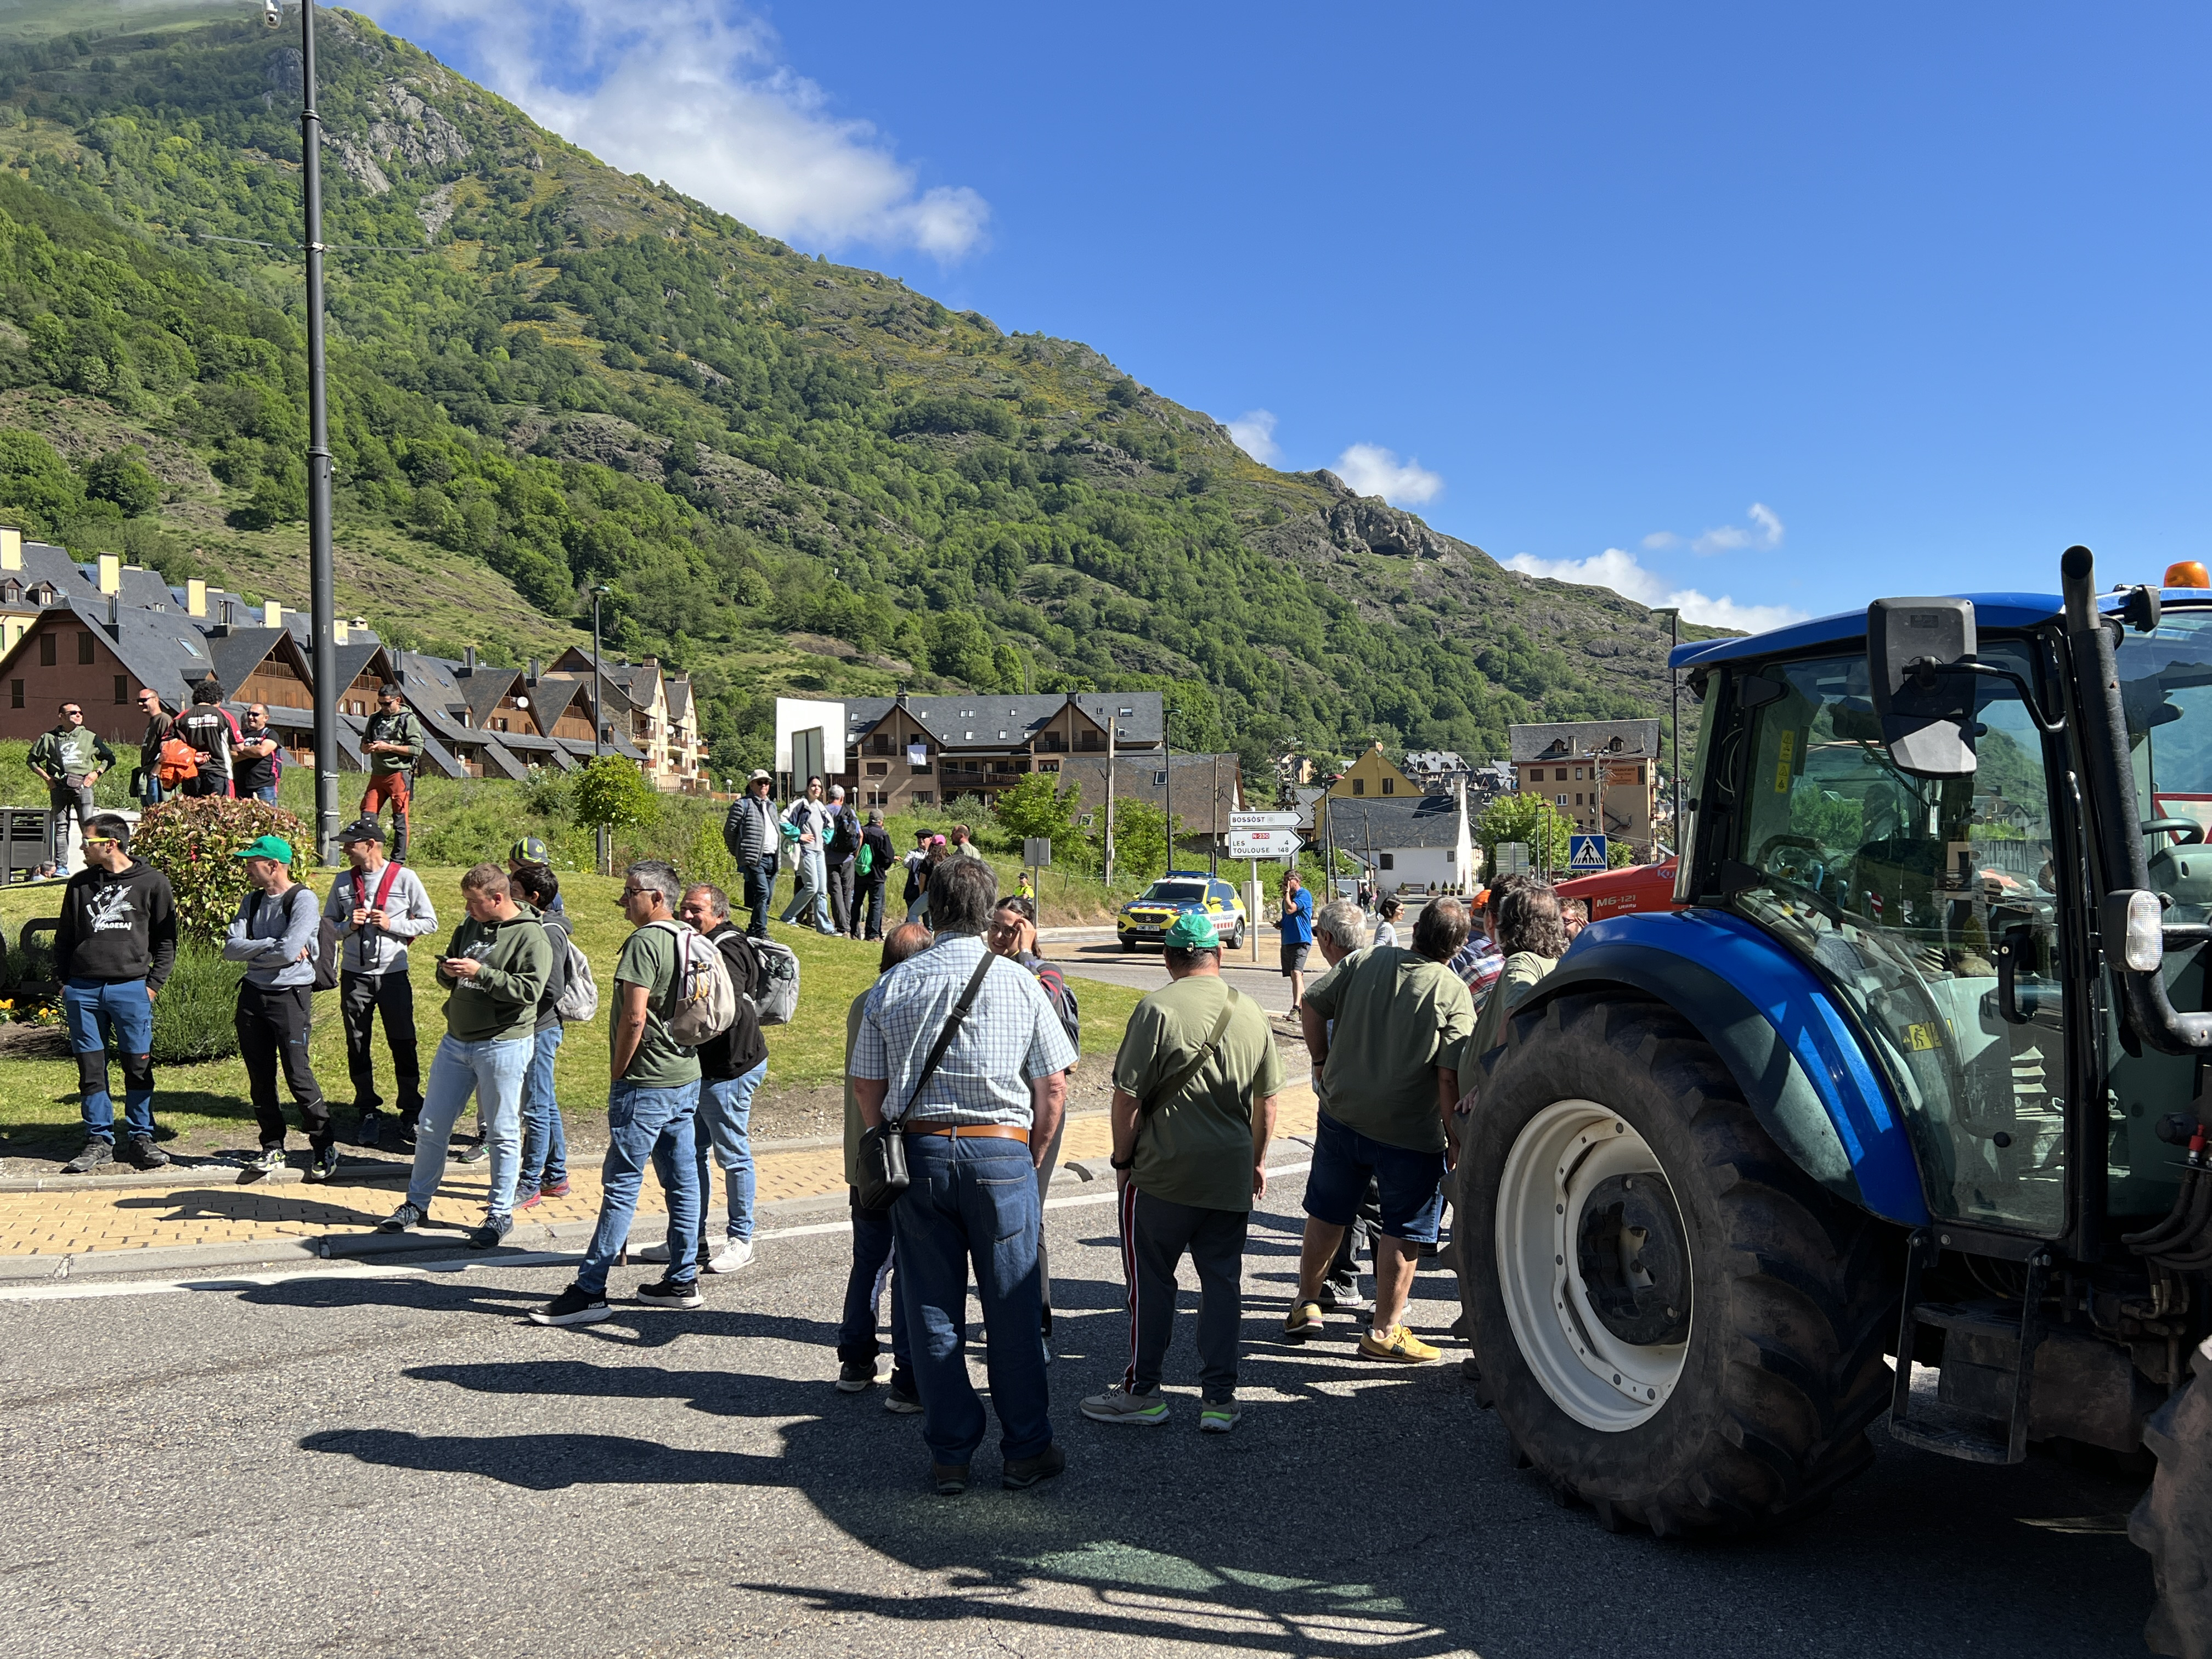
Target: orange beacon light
2189, 573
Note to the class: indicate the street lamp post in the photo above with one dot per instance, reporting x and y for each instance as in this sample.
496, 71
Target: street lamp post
598, 712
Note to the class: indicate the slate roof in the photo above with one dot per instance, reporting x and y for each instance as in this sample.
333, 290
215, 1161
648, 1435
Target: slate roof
1568, 738
1387, 825
985, 721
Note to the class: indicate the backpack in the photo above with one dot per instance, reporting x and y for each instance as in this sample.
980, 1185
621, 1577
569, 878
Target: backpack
1055, 986
578, 1001
864, 859
178, 761
703, 1002
775, 980
326, 937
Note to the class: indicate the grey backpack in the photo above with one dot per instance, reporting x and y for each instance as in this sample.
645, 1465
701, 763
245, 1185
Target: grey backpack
776, 987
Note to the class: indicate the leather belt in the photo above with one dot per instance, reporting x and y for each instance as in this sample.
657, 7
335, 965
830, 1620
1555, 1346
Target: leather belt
971, 1131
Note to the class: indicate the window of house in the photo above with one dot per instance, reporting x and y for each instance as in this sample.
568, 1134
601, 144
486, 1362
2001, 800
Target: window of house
1560, 800
1578, 797
1360, 786
879, 768
1558, 775
923, 798
122, 689
1389, 785
1451, 855
15, 694
84, 649
880, 743
1159, 777
878, 798
46, 657
1388, 860
1047, 766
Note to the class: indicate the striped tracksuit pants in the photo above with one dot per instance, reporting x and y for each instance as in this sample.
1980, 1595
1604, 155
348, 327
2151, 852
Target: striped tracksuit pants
1156, 1233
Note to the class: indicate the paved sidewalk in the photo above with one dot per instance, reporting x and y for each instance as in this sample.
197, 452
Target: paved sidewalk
199, 1211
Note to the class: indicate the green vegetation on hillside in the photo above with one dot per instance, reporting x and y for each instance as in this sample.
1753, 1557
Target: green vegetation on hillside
793, 475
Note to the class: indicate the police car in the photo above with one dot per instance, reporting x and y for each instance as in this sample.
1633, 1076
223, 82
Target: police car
1148, 916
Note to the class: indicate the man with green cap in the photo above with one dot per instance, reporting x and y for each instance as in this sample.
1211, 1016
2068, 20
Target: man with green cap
275, 934
1193, 1106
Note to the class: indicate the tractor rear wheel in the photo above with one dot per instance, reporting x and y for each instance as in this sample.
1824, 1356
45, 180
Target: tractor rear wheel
1676, 1324
2173, 1521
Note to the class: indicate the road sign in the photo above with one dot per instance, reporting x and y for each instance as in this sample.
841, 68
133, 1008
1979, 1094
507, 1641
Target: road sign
1586, 854
1263, 820
1036, 851
1263, 844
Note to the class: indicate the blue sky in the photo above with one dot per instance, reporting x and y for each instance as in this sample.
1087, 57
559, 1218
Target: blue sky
1772, 307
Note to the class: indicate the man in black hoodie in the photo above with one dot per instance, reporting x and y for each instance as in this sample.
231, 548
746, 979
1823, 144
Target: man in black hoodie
112, 950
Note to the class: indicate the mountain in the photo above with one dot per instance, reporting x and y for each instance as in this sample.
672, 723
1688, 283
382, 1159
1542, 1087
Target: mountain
790, 474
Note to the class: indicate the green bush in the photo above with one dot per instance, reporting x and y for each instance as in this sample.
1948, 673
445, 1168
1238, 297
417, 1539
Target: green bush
193, 1016
194, 843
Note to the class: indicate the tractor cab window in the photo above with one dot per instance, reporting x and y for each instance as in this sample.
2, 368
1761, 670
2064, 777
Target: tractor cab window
1904, 893
2165, 688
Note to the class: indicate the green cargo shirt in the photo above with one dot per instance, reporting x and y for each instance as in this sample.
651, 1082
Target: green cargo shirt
402, 727
1195, 1146
500, 1004
649, 959
1399, 1017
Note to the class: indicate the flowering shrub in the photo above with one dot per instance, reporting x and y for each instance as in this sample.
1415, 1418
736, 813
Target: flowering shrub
195, 842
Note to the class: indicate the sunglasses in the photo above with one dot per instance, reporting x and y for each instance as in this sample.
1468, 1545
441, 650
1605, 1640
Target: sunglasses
100, 841
73, 713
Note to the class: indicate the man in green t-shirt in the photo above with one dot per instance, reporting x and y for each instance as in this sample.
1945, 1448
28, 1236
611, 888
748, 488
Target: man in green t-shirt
1387, 1072
1194, 1104
652, 1102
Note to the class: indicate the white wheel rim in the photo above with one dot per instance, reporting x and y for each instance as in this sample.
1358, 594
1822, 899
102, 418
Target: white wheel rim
1593, 1376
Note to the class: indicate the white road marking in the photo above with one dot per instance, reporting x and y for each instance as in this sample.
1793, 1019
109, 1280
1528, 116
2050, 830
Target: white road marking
68, 1292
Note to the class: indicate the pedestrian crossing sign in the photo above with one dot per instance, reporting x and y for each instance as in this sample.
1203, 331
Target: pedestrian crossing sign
1585, 853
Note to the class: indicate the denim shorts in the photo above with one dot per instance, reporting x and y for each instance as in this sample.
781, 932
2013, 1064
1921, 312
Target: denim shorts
1412, 1183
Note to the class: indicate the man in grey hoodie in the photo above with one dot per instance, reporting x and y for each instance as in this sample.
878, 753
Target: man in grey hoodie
377, 906
275, 936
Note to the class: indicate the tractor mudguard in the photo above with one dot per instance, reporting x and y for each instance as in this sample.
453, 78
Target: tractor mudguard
1780, 1031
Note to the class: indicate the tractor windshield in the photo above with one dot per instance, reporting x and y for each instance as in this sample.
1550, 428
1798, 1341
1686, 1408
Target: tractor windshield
1904, 893
2165, 685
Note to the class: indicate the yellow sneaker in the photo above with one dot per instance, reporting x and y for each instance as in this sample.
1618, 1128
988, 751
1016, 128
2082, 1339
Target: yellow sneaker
1400, 1344
1305, 1322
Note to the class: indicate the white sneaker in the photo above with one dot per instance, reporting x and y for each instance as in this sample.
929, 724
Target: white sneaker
734, 1253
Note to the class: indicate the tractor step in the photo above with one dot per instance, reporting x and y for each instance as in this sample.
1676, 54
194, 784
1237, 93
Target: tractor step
1989, 1365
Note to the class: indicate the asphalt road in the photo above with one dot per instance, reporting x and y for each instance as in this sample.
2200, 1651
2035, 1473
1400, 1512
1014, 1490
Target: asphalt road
330, 1464
1101, 957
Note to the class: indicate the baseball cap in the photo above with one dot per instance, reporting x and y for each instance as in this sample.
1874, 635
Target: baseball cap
760, 775
362, 829
529, 850
267, 847
1193, 931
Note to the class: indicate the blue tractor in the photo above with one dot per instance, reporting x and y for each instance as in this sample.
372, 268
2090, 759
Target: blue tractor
1918, 1071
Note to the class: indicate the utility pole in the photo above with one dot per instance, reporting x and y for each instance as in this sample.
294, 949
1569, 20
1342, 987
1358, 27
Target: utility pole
1213, 819
1167, 738
598, 717
1109, 803
321, 600
1674, 730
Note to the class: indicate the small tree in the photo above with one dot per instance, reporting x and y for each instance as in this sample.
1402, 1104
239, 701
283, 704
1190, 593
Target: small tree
1141, 840
611, 793
195, 842
1040, 805
1524, 818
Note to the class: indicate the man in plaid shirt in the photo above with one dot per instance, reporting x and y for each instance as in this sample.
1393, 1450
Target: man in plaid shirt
974, 1131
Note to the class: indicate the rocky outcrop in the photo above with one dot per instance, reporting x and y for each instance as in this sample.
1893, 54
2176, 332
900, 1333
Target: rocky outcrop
434, 210
1368, 524
414, 132
359, 165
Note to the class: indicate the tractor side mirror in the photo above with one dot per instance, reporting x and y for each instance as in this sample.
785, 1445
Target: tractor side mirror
1927, 714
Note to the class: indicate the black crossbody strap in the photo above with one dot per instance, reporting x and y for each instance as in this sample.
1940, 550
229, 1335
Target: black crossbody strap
952, 1025
1175, 1085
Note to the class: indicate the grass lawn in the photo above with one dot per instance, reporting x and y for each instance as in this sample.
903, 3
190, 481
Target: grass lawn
207, 1105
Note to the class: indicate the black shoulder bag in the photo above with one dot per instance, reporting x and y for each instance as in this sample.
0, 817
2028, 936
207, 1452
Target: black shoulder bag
1175, 1085
883, 1149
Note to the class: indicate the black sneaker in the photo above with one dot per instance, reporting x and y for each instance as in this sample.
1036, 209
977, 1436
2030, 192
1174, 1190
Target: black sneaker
671, 1293
856, 1377
495, 1228
144, 1154
371, 1131
475, 1152
406, 1128
573, 1306
268, 1161
1023, 1473
951, 1478
403, 1220
97, 1154
901, 1402
322, 1165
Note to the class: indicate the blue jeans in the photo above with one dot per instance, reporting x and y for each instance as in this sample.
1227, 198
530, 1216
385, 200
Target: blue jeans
723, 1109
493, 1073
647, 1125
873, 1264
97, 1009
760, 893
973, 1202
810, 897
544, 1139
267, 791
1410, 1184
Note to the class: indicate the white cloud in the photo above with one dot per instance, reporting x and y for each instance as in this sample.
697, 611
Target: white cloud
1765, 532
1371, 469
1660, 540
683, 92
1254, 432
1620, 572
